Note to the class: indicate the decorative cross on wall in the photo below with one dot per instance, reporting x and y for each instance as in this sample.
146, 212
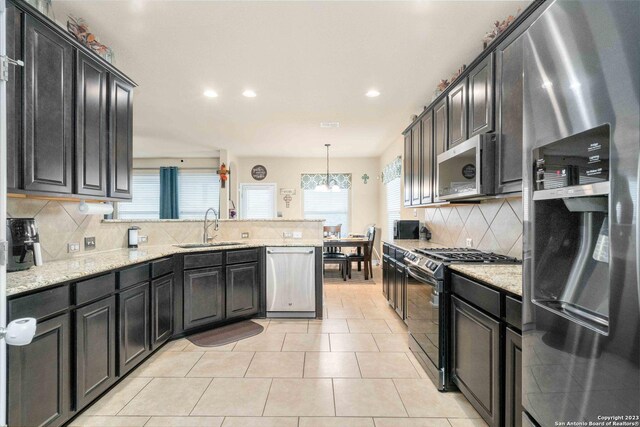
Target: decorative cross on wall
287, 199
365, 178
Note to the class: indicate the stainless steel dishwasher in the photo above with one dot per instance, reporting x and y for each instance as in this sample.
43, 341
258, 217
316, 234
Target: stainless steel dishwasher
291, 283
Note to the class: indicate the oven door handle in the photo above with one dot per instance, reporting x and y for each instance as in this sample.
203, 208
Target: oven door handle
425, 279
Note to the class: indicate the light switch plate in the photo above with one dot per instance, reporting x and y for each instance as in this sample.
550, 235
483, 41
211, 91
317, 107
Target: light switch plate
143, 239
287, 234
469, 242
73, 247
89, 243
245, 235
297, 234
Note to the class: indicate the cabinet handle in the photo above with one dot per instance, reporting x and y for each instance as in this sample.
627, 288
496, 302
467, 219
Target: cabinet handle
290, 253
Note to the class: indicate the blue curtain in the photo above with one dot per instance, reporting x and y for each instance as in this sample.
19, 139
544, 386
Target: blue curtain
169, 193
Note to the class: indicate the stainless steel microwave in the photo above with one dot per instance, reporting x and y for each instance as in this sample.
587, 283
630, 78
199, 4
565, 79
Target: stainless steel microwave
467, 171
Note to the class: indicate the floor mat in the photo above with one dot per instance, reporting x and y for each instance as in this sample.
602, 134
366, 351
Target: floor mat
226, 334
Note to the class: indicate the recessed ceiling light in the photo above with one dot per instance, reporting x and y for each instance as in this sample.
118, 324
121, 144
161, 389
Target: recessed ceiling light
249, 93
372, 93
210, 93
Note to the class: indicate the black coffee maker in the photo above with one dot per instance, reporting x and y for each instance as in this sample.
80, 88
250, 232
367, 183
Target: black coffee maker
24, 244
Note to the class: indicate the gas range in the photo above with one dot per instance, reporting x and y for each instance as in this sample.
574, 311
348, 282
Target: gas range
434, 261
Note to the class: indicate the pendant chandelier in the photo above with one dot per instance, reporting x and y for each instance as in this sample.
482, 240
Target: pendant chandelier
329, 185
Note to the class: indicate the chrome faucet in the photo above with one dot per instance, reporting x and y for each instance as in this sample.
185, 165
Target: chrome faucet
216, 224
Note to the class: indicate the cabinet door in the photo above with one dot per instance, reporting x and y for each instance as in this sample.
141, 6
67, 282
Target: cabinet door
48, 109
440, 136
513, 379
391, 298
401, 289
203, 296
385, 276
39, 392
91, 127
120, 138
509, 75
161, 310
475, 350
481, 97
14, 99
134, 326
457, 114
243, 290
95, 350
416, 137
406, 169
426, 164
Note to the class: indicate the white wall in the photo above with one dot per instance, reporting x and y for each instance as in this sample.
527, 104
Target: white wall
286, 173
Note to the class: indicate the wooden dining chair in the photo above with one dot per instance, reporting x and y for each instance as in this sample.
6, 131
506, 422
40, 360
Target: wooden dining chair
364, 257
332, 231
332, 254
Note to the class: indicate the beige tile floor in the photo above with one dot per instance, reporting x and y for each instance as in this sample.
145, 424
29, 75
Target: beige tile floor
351, 369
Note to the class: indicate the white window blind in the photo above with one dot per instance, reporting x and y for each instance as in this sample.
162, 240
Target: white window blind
258, 201
392, 188
197, 192
145, 203
330, 206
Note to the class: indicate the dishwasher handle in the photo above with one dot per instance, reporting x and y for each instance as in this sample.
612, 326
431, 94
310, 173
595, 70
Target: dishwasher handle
309, 252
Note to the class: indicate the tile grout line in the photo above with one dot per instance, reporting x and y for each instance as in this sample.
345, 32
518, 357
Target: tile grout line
200, 398
249, 365
264, 407
395, 386
191, 369
134, 396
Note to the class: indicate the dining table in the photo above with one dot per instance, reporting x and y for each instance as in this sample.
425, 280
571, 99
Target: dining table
360, 243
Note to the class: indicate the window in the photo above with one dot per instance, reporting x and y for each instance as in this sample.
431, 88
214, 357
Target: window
197, 192
392, 188
332, 207
258, 201
145, 203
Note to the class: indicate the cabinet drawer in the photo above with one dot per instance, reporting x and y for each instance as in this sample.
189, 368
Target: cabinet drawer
392, 252
399, 255
385, 249
161, 267
246, 255
133, 276
203, 260
477, 294
41, 304
513, 312
93, 289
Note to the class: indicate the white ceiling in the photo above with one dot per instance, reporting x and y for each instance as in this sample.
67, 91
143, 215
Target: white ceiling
308, 62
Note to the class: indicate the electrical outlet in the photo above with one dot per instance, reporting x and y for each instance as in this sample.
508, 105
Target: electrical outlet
297, 234
469, 242
143, 239
89, 243
415, 213
287, 234
245, 235
73, 247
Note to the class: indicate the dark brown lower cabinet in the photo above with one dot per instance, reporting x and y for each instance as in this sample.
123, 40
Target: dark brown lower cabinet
39, 381
134, 330
475, 358
243, 290
385, 276
400, 289
161, 310
203, 296
95, 350
392, 283
513, 379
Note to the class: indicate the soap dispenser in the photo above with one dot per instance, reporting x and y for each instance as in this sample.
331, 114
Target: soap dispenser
133, 237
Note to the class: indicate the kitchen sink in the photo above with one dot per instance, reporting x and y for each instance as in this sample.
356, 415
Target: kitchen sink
207, 245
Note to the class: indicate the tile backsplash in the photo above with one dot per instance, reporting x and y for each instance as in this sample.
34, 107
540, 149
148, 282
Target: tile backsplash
493, 225
60, 223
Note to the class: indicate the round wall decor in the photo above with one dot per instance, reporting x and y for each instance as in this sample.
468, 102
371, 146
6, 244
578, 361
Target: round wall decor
469, 171
258, 172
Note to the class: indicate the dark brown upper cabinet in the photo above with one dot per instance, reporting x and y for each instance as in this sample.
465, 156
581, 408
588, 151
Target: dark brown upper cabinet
416, 167
509, 75
427, 160
14, 99
440, 137
48, 109
406, 168
480, 81
457, 114
91, 127
120, 138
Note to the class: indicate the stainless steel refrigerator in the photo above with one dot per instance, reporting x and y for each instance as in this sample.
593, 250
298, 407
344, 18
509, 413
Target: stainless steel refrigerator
581, 321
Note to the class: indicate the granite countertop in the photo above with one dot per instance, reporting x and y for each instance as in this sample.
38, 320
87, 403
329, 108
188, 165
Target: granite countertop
132, 221
504, 276
55, 272
410, 245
